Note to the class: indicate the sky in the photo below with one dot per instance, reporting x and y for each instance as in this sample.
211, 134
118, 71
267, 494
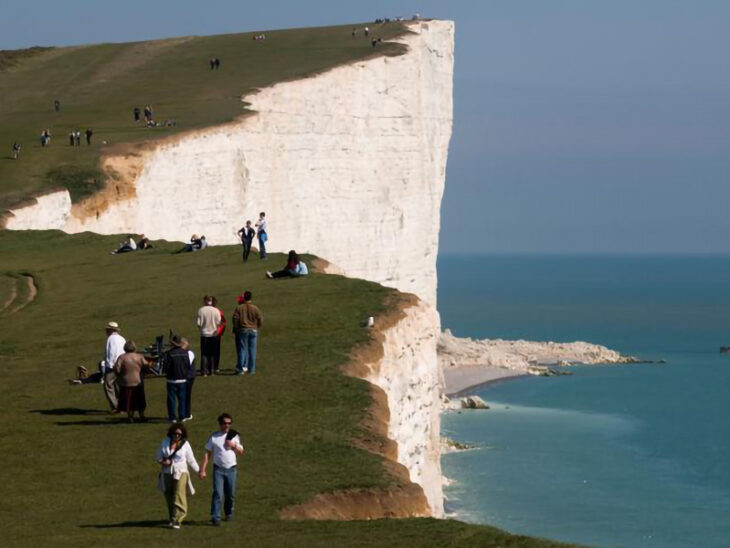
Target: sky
580, 126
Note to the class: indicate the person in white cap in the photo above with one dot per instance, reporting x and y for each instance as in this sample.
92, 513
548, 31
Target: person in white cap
114, 348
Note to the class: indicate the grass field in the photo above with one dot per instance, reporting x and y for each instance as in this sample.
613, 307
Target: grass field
72, 475
98, 87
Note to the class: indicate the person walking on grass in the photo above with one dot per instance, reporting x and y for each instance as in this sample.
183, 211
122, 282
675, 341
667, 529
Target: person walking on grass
208, 319
262, 234
16, 150
223, 446
176, 363
246, 234
89, 133
247, 320
174, 456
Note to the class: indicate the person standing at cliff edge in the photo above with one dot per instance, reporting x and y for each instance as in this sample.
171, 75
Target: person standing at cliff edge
262, 234
247, 320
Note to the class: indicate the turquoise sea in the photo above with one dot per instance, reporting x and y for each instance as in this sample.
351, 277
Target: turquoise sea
629, 455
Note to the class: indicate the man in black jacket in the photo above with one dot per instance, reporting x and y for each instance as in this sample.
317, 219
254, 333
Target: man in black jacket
177, 364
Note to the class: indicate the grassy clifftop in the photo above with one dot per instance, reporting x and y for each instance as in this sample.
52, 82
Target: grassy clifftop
73, 475
98, 87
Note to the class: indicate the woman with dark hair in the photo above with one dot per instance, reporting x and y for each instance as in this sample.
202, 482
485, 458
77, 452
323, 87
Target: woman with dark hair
294, 268
174, 455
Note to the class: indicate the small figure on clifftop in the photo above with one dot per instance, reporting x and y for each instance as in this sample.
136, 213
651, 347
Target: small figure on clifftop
89, 133
45, 137
136, 113
262, 234
148, 113
246, 234
16, 150
56, 105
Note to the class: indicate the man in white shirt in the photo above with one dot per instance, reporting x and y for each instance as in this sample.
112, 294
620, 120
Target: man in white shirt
224, 446
114, 348
262, 234
208, 319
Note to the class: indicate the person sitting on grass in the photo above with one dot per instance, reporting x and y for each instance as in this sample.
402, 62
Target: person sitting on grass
126, 246
294, 268
175, 455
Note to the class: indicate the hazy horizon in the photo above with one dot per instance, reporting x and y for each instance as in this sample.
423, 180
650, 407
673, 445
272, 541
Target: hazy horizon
578, 127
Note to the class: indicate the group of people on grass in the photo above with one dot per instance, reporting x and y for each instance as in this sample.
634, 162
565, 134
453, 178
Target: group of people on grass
122, 371
247, 233
122, 374
176, 457
74, 137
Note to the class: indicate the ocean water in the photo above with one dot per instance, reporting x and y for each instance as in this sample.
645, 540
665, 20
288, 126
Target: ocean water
630, 455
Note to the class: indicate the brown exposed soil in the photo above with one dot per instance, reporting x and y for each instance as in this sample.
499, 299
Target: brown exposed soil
11, 297
122, 165
403, 498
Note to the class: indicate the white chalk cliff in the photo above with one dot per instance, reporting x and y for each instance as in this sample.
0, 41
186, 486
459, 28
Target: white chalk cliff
349, 165
409, 374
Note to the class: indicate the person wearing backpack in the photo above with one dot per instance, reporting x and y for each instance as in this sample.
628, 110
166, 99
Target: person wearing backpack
223, 448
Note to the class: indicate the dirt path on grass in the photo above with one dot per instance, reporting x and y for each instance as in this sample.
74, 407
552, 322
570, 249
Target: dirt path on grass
32, 292
11, 298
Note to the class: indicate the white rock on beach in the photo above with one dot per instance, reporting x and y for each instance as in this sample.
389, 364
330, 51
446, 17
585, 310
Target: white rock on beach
467, 362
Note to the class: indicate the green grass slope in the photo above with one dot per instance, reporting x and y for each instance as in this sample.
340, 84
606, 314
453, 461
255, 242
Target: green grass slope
98, 86
72, 475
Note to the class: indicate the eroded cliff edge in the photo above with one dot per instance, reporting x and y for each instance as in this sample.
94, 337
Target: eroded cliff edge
403, 423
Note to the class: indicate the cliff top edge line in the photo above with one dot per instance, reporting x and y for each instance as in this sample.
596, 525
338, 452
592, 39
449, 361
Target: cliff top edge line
349, 164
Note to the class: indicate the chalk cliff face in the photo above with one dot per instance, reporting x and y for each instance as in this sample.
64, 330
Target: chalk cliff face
348, 165
408, 373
